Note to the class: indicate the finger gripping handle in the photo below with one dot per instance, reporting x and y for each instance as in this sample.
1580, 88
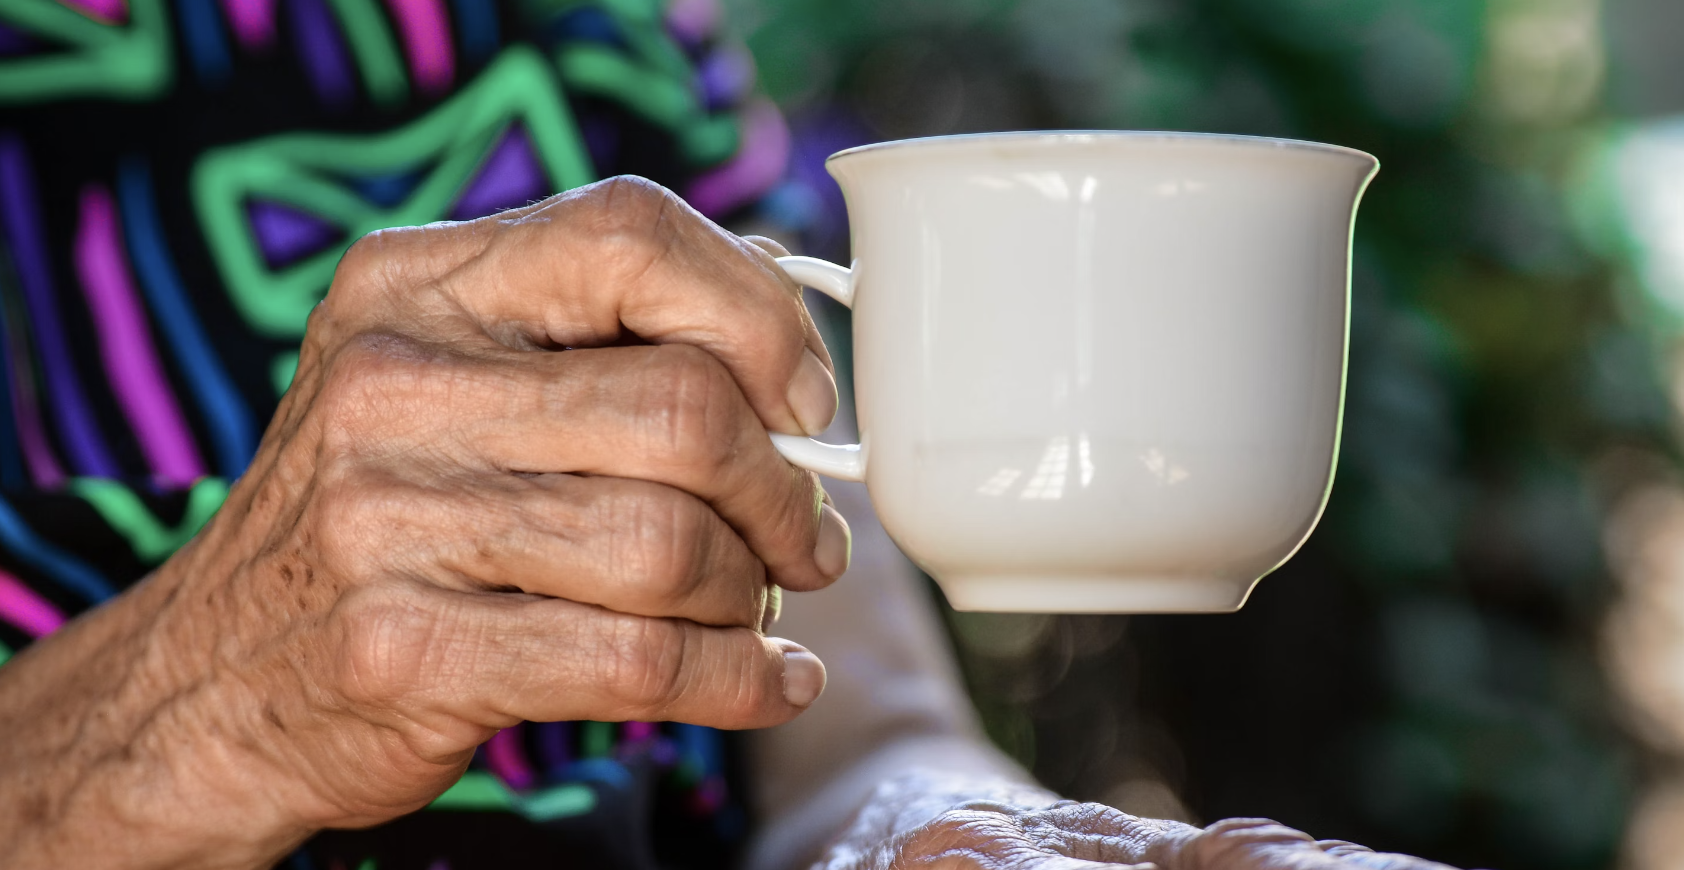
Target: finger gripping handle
841, 461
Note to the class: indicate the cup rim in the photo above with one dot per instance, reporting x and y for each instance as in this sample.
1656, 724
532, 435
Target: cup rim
1031, 137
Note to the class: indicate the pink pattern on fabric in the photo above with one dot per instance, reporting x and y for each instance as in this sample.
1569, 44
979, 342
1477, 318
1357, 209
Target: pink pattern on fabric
759, 164
131, 361
107, 11
693, 20
634, 732
253, 21
426, 41
23, 608
507, 759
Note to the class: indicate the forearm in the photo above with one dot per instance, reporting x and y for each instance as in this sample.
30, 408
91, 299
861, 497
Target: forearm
117, 752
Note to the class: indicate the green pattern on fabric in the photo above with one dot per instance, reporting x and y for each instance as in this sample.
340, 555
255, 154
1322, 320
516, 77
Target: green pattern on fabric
710, 141
596, 739
654, 80
131, 61
656, 95
558, 802
375, 50
476, 790
305, 171
367, 864
5, 653
150, 539
480, 791
602, 71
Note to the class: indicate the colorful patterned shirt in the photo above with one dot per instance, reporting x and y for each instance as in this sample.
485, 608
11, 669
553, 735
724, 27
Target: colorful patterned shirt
178, 179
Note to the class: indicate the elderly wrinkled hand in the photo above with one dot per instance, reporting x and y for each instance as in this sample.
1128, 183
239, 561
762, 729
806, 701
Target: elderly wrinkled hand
450, 528
922, 820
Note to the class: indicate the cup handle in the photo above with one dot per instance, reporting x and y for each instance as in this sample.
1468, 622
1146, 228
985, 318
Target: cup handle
841, 461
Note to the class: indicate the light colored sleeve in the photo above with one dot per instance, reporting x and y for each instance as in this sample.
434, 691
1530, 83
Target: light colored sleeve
893, 701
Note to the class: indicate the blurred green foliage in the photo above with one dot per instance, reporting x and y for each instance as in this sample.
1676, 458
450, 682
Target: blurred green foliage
1423, 677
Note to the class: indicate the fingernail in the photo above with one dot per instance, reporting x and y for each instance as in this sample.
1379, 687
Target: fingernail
803, 675
812, 394
836, 544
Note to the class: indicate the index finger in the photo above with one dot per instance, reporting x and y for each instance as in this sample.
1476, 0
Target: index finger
587, 267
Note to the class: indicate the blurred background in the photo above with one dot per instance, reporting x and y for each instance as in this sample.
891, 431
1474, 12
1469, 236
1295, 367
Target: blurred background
1479, 656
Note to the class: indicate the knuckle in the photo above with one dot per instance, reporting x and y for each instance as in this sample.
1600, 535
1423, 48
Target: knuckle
370, 380
1225, 843
692, 406
320, 322
390, 270
366, 255
356, 515
956, 829
1250, 829
644, 659
631, 199
632, 221
361, 270
369, 266
385, 639
661, 537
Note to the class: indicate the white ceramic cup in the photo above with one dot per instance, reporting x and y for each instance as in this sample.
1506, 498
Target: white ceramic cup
1094, 372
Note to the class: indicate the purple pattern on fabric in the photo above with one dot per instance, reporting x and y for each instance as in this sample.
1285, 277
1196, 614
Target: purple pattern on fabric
506, 758
724, 76
693, 21
602, 140
22, 607
103, 11
554, 750
285, 234
44, 468
815, 137
87, 451
14, 41
323, 52
132, 367
637, 732
253, 21
425, 30
793, 204
759, 164
509, 177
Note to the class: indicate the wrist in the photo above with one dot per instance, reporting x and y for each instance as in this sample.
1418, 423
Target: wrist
116, 755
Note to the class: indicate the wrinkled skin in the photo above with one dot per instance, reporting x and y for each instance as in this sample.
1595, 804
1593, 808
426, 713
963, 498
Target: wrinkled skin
928, 821
450, 527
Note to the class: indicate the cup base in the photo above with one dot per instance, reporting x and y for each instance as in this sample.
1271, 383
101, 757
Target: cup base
1063, 593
